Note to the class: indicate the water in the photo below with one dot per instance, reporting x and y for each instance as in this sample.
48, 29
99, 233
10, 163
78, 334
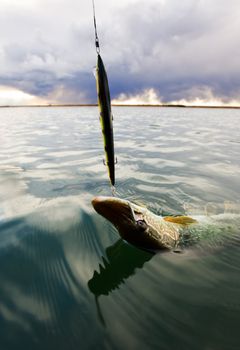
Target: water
67, 281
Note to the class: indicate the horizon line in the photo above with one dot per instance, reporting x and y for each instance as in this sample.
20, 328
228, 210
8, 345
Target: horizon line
120, 105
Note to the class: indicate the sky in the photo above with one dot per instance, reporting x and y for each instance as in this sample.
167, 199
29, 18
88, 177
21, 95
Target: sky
155, 51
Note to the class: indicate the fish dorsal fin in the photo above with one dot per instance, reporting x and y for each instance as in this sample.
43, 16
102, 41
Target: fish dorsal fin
181, 220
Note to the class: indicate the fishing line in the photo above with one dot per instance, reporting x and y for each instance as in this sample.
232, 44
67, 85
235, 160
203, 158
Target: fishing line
113, 189
95, 28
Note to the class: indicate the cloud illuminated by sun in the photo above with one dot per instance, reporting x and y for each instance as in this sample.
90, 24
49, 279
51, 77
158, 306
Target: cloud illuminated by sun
11, 97
202, 97
147, 97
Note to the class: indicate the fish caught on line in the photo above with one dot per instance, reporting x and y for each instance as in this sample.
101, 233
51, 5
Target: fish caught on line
142, 228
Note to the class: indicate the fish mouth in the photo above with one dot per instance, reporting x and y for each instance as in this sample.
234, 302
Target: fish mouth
114, 209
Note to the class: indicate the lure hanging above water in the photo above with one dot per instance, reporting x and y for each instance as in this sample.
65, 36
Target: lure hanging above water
104, 103
106, 118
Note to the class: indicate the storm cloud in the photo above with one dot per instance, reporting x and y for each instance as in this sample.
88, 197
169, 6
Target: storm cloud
181, 50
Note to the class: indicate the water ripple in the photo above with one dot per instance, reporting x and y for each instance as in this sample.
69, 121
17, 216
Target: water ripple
67, 281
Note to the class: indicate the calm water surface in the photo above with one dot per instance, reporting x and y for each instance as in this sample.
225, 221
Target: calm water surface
66, 279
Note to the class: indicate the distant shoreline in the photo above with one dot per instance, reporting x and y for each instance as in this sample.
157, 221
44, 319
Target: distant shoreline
120, 105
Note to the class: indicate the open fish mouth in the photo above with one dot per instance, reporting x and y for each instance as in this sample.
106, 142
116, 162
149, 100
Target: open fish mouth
113, 209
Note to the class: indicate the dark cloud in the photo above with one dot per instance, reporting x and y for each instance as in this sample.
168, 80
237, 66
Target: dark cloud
180, 48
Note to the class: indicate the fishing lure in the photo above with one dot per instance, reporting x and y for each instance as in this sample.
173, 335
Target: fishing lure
104, 103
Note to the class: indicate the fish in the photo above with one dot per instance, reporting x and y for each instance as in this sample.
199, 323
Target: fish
140, 227
106, 117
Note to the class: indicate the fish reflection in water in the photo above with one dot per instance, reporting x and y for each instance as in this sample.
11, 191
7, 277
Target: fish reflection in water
122, 261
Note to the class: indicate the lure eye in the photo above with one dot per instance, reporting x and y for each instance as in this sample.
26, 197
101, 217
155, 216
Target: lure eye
142, 225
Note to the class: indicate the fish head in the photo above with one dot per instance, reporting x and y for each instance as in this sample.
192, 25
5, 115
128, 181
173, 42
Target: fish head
118, 211
130, 220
